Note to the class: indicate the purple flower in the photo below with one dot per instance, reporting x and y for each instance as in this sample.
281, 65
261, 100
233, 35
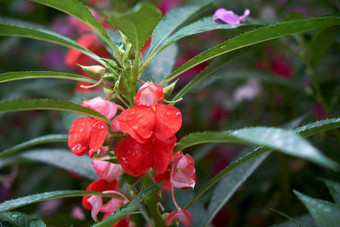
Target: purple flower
229, 17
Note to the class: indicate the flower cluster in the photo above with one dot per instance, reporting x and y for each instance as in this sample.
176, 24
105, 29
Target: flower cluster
150, 128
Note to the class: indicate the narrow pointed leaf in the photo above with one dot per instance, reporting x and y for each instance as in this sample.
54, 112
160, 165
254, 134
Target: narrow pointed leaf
137, 25
127, 208
47, 104
26, 200
12, 76
256, 36
324, 212
334, 190
45, 35
16, 219
203, 25
33, 142
77, 9
304, 131
297, 223
283, 140
172, 21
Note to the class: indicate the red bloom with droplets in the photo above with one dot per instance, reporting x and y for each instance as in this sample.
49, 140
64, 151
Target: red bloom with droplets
151, 127
86, 135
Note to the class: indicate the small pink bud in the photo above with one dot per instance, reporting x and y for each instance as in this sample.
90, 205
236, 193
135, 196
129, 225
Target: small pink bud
115, 125
183, 171
149, 95
78, 213
182, 216
102, 106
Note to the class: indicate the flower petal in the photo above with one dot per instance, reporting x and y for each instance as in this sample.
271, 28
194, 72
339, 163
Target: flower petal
138, 122
79, 135
134, 157
182, 216
168, 121
161, 153
97, 138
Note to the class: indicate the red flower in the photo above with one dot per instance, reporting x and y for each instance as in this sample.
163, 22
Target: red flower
86, 135
182, 216
99, 185
149, 95
137, 158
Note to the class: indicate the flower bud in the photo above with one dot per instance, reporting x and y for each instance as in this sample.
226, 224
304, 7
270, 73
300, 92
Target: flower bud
168, 90
95, 71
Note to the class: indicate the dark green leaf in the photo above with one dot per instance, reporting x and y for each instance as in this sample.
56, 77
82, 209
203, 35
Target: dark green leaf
203, 25
127, 208
172, 21
33, 142
26, 200
289, 218
161, 66
305, 131
334, 189
137, 25
256, 36
11, 76
283, 140
45, 35
46, 104
16, 219
325, 213
77, 9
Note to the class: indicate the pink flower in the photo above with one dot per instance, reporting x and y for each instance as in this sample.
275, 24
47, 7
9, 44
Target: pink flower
182, 216
229, 17
183, 171
106, 170
78, 213
102, 106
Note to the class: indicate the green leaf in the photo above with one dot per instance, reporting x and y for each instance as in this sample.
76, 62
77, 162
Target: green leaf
256, 36
283, 140
47, 104
304, 131
161, 66
45, 35
334, 189
324, 212
137, 25
12, 76
60, 158
33, 142
127, 208
289, 218
16, 219
30, 199
203, 25
172, 21
77, 9
215, 65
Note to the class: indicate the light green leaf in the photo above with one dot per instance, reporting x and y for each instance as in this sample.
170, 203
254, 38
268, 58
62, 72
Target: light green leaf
47, 104
137, 25
324, 212
30, 199
203, 25
172, 21
77, 9
334, 189
161, 66
256, 36
33, 142
127, 208
304, 131
16, 219
283, 140
45, 35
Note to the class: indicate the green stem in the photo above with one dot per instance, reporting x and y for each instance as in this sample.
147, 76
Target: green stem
151, 202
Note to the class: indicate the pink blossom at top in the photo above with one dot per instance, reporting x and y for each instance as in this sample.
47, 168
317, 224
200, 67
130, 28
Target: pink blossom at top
167, 5
229, 17
106, 170
182, 216
102, 106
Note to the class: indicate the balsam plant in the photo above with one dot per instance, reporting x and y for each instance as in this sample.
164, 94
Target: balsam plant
129, 134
